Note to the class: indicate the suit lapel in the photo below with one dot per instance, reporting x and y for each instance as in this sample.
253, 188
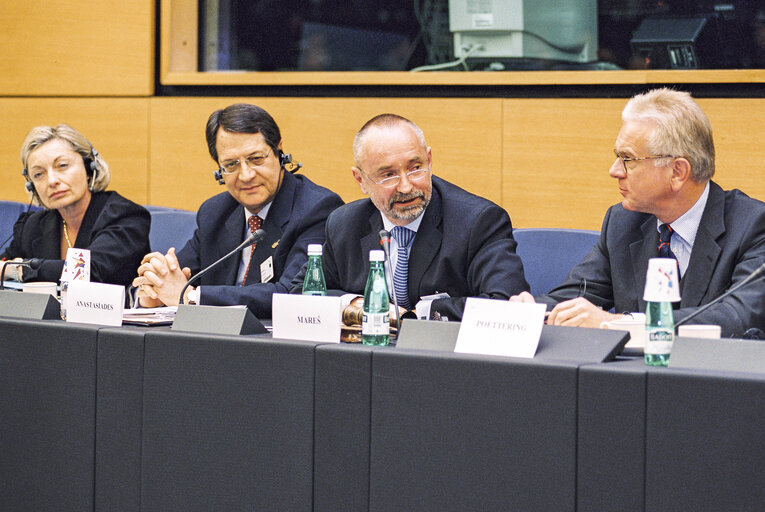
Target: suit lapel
425, 247
278, 216
231, 235
47, 244
706, 251
640, 252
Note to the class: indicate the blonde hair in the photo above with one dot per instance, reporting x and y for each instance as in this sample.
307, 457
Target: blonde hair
683, 128
39, 135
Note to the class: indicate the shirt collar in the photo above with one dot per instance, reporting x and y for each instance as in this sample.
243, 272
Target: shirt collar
687, 224
414, 225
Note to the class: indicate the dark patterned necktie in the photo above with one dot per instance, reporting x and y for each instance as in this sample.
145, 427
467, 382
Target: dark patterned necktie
404, 239
254, 222
665, 235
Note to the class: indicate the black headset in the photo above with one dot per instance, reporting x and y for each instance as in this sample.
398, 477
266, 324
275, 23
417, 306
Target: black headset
285, 161
91, 170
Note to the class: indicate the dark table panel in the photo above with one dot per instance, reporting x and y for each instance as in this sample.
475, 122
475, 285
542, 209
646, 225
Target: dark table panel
47, 415
343, 404
705, 441
227, 423
460, 432
118, 419
611, 437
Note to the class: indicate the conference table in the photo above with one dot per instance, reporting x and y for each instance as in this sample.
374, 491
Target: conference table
150, 419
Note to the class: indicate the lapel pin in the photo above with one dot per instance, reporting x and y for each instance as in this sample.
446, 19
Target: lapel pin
275, 244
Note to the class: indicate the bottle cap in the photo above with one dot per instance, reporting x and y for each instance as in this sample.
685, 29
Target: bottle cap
314, 249
376, 255
661, 281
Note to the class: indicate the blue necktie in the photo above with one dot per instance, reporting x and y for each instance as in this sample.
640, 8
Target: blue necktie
404, 239
665, 235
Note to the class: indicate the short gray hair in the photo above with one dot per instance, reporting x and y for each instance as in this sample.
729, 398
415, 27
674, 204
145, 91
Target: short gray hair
380, 121
683, 128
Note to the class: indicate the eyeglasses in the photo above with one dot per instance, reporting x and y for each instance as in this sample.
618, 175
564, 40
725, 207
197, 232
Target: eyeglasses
391, 179
626, 159
253, 162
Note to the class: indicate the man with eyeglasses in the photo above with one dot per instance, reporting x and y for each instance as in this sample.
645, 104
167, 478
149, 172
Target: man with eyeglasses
664, 163
444, 240
246, 144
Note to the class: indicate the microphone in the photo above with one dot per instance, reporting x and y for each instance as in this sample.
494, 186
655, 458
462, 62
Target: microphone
750, 278
32, 263
385, 242
255, 237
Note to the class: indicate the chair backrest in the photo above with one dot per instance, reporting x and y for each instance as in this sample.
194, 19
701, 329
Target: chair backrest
9, 213
549, 254
171, 228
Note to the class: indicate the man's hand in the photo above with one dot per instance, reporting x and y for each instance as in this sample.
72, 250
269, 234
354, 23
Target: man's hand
525, 297
13, 271
579, 312
160, 279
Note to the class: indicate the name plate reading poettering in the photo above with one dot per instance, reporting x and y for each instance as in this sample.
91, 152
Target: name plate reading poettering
307, 317
95, 303
500, 328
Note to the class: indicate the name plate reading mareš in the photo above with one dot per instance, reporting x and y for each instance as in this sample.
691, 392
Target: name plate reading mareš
307, 317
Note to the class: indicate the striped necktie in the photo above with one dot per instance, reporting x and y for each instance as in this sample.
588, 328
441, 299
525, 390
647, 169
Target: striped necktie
404, 238
254, 222
665, 235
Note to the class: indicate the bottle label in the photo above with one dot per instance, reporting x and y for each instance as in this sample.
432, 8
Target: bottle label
374, 324
659, 341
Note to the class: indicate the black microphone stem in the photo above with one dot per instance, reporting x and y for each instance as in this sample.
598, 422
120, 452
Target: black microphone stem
256, 237
751, 277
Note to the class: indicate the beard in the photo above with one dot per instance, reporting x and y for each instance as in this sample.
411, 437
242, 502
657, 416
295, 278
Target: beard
407, 213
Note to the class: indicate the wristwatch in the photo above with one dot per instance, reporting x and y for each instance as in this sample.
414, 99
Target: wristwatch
193, 296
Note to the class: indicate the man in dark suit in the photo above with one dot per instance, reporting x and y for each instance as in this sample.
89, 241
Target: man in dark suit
670, 208
444, 239
246, 143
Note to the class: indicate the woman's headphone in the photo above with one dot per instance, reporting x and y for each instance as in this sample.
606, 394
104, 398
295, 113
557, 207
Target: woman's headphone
91, 169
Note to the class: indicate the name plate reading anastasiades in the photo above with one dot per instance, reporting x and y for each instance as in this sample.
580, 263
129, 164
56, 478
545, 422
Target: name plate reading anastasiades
307, 317
95, 303
500, 328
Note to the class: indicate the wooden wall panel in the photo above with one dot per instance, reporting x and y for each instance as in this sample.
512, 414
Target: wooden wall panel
557, 152
66, 48
117, 127
465, 136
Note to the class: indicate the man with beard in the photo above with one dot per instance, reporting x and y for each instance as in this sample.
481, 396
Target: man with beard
444, 240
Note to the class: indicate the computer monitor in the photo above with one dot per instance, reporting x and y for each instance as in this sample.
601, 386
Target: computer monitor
562, 30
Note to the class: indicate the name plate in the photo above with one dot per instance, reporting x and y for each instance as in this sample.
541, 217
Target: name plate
500, 328
95, 303
307, 317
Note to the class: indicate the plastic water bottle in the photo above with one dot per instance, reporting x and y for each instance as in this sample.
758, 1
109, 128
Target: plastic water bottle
659, 333
314, 283
375, 325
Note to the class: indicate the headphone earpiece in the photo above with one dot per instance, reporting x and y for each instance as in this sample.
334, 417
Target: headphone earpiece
285, 160
30, 186
91, 166
218, 175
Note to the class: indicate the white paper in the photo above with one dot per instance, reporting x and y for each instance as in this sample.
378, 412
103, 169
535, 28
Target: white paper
500, 328
95, 303
307, 317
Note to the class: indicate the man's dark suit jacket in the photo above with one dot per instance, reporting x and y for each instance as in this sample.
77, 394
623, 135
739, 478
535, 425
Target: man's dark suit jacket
729, 245
464, 247
296, 218
114, 229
